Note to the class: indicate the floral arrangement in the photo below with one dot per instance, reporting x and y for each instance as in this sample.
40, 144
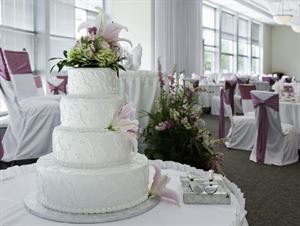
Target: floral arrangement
99, 48
176, 131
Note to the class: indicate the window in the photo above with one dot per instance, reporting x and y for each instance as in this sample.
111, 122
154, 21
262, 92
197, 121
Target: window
227, 42
231, 43
243, 62
210, 40
255, 48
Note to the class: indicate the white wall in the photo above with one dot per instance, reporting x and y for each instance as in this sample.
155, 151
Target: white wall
136, 15
285, 51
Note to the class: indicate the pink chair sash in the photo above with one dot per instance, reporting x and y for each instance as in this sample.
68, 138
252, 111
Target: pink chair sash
223, 98
230, 86
262, 134
38, 82
245, 91
17, 62
55, 89
3, 68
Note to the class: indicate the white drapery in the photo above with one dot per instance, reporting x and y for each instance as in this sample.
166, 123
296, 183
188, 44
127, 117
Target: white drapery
178, 34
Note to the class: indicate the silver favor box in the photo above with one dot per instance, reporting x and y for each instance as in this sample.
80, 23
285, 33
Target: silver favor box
194, 191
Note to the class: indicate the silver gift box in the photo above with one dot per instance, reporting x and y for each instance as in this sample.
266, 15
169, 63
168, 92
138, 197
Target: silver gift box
193, 191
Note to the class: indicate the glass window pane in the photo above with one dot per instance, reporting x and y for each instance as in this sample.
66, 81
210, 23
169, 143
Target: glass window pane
226, 64
227, 46
89, 4
209, 37
80, 16
255, 65
209, 17
255, 50
18, 14
242, 65
209, 59
62, 16
227, 22
243, 47
255, 31
243, 26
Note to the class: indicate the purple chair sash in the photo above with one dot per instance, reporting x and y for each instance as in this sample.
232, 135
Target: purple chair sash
262, 134
55, 89
1, 150
17, 62
3, 67
230, 86
223, 99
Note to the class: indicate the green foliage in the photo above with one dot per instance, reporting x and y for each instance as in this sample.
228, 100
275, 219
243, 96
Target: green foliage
90, 52
176, 131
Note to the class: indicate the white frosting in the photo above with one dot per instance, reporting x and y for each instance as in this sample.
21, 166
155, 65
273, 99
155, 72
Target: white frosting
91, 148
92, 190
92, 81
88, 112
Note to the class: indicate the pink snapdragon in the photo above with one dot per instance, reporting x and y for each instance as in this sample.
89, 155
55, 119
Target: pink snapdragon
158, 187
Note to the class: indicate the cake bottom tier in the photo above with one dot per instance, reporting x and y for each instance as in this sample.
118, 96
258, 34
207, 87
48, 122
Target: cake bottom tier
89, 191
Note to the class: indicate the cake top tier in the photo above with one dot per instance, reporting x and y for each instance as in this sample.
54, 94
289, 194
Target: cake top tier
101, 82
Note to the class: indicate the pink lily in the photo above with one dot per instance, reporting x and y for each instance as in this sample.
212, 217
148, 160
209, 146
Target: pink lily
127, 112
158, 187
109, 31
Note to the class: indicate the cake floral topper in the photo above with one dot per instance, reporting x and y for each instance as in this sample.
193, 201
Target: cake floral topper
99, 48
124, 121
158, 187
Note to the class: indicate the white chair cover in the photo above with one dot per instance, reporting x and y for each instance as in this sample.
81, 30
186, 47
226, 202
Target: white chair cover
282, 139
32, 120
241, 134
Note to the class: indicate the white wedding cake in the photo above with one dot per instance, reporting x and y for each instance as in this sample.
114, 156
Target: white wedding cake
92, 169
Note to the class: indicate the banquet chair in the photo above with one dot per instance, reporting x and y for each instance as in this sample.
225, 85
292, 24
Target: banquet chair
246, 98
26, 85
276, 143
242, 130
29, 131
57, 86
235, 101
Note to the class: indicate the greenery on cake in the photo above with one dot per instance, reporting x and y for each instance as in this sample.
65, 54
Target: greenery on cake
99, 48
176, 131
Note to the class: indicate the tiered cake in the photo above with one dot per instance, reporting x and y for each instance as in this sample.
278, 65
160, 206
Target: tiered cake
91, 169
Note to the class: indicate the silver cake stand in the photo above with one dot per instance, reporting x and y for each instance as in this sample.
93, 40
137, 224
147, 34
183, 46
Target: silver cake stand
39, 210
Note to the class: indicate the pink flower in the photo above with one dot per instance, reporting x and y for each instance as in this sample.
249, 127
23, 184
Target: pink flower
158, 187
92, 30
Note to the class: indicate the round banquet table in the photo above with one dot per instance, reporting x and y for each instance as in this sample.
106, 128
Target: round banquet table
210, 90
290, 113
17, 182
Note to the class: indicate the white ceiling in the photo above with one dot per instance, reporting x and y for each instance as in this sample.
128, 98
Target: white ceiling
261, 10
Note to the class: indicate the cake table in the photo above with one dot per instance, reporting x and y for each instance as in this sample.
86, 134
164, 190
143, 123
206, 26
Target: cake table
17, 182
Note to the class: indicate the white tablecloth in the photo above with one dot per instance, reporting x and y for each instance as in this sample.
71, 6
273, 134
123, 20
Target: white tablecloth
17, 182
210, 90
141, 88
290, 113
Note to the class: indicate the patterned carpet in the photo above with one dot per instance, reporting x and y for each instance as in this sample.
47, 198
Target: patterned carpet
272, 193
